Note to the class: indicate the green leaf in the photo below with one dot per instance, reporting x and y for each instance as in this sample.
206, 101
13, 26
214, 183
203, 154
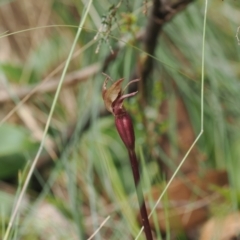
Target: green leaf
14, 72
15, 144
10, 165
13, 139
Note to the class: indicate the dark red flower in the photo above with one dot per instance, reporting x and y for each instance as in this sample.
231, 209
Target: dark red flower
113, 98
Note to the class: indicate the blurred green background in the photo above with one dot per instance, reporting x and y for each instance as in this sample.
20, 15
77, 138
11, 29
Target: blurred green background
83, 174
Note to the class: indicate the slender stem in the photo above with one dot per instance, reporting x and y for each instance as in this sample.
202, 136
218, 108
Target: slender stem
141, 201
203, 65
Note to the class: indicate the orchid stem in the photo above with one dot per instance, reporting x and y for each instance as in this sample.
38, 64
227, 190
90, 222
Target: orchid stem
141, 201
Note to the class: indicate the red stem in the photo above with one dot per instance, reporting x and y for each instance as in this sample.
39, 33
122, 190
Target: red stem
141, 201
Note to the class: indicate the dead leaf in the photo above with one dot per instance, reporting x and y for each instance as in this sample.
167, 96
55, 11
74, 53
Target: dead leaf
222, 228
187, 200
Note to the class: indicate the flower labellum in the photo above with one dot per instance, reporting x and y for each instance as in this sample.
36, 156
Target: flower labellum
113, 96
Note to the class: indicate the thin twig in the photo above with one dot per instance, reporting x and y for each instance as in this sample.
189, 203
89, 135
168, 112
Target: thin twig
161, 13
50, 85
105, 220
44, 80
202, 118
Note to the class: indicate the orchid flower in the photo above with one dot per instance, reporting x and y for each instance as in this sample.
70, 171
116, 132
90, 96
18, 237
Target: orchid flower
113, 99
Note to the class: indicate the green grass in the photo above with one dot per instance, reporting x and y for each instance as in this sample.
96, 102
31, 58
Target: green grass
91, 179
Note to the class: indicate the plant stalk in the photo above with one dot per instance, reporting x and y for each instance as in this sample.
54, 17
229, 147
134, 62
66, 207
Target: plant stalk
141, 201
